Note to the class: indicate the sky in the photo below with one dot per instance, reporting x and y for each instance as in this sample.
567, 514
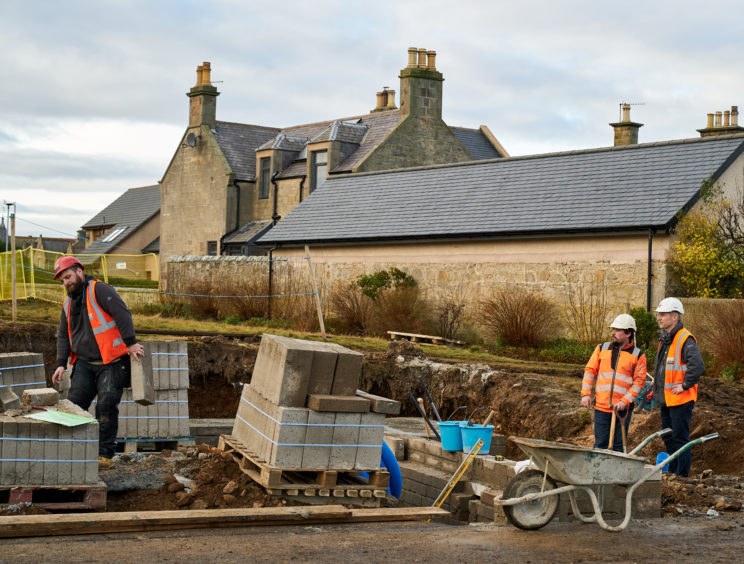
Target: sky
93, 95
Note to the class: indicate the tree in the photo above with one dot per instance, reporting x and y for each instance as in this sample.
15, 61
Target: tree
708, 255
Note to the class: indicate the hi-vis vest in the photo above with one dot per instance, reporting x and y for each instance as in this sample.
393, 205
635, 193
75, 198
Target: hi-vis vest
104, 327
675, 370
619, 382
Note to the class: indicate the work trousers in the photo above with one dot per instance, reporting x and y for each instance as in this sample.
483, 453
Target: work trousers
602, 424
107, 381
677, 417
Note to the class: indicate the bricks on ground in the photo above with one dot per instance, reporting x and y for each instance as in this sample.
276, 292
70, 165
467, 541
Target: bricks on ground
301, 409
167, 416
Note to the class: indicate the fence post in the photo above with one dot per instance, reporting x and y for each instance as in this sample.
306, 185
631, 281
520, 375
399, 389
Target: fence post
317, 293
32, 270
14, 307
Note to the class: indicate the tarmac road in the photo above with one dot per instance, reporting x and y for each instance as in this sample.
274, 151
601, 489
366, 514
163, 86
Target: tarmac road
660, 540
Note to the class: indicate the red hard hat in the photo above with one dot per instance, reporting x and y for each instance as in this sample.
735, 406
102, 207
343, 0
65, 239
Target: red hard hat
63, 263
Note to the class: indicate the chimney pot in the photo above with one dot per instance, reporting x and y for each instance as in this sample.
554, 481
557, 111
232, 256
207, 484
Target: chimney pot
390, 102
735, 116
726, 118
207, 69
626, 112
380, 100
431, 60
422, 58
199, 72
412, 53
718, 119
710, 121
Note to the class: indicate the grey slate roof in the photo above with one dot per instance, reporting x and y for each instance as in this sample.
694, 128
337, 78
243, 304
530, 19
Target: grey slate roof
580, 191
130, 210
477, 144
239, 143
248, 232
285, 143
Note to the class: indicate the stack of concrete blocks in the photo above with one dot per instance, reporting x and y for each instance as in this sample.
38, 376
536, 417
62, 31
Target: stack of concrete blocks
168, 416
19, 371
301, 409
36, 452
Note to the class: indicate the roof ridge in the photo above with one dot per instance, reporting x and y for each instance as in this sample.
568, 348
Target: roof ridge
268, 127
329, 121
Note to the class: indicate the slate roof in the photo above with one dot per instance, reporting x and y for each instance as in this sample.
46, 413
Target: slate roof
248, 232
128, 211
610, 189
239, 143
477, 144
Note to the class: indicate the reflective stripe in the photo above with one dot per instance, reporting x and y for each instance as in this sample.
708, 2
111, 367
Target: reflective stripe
605, 346
623, 378
103, 326
607, 375
670, 386
118, 341
635, 389
586, 386
603, 387
679, 367
636, 351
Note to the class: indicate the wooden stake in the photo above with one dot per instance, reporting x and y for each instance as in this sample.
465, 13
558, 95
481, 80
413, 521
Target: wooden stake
488, 419
317, 293
423, 410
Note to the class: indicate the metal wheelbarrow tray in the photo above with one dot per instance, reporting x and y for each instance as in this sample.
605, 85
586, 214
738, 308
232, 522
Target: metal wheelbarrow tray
530, 499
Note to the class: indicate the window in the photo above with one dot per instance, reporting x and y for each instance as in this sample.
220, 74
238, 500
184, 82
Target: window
318, 169
265, 178
212, 248
113, 234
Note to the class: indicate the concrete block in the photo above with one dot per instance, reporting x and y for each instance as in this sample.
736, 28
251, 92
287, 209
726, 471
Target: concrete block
282, 370
51, 431
348, 371
371, 432
345, 439
322, 370
397, 445
143, 391
8, 451
289, 437
8, 399
319, 432
378, 404
91, 452
184, 423
339, 404
77, 471
40, 396
64, 455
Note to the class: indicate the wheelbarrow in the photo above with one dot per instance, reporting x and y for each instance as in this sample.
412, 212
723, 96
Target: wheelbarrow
530, 499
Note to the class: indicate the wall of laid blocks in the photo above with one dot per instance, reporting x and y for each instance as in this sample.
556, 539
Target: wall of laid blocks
20, 371
36, 452
168, 417
301, 409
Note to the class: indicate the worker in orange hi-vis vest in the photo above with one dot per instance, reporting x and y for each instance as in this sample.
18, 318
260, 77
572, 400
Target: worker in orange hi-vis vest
617, 372
96, 334
679, 366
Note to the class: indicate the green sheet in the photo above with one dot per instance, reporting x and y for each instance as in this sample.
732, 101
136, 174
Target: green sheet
61, 418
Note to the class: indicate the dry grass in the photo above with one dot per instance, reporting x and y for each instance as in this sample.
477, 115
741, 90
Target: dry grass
721, 332
518, 317
400, 309
351, 309
587, 311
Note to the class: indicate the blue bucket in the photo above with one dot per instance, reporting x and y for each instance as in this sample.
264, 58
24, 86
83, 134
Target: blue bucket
451, 436
662, 456
471, 434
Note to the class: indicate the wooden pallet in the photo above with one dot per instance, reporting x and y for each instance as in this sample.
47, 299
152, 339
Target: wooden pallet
305, 482
57, 498
152, 444
415, 338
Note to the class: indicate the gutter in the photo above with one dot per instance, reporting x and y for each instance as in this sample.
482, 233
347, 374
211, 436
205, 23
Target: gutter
275, 216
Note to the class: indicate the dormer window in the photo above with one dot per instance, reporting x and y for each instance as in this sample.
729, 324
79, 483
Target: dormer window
318, 169
113, 234
265, 178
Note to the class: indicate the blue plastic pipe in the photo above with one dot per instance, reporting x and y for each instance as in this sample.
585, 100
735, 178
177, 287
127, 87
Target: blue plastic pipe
389, 462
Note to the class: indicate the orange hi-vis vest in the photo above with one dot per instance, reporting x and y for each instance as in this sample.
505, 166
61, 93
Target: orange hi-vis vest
623, 383
675, 370
104, 327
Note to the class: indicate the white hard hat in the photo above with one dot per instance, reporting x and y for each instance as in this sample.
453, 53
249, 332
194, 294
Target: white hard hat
624, 321
668, 305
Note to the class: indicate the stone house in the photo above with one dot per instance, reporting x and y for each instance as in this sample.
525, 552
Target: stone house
560, 223
229, 183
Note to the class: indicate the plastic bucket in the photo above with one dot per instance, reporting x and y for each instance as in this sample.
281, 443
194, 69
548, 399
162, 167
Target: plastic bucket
471, 434
662, 456
451, 436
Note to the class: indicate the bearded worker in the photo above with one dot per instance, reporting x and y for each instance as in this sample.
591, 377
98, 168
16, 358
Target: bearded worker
96, 334
617, 372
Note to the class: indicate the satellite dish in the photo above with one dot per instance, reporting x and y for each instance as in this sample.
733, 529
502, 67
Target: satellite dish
191, 140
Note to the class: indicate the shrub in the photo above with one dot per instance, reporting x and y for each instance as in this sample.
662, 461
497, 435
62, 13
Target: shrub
352, 309
647, 334
586, 311
518, 317
449, 318
722, 333
400, 308
373, 284
242, 306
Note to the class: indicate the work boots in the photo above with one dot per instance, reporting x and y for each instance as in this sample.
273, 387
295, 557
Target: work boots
104, 463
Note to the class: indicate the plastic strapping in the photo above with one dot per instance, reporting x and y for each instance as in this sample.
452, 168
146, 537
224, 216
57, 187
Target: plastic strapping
22, 384
307, 424
17, 367
43, 460
170, 354
184, 369
49, 440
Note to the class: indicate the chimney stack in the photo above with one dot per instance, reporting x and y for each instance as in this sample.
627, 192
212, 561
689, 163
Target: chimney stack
626, 131
385, 100
203, 98
726, 126
420, 86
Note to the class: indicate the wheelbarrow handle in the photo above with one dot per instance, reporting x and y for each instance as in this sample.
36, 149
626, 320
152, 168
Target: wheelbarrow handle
674, 455
708, 437
650, 438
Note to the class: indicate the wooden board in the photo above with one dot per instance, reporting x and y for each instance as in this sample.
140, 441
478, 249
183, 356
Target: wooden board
86, 524
58, 498
416, 338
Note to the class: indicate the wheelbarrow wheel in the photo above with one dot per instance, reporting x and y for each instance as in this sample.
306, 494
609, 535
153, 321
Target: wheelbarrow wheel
530, 514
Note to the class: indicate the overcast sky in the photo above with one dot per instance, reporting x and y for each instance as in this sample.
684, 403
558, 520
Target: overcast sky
93, 94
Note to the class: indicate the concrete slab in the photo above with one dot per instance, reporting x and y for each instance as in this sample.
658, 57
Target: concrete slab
282, 370
40, 396
319, 432
371, 432
339, 404
143, 390
345, 439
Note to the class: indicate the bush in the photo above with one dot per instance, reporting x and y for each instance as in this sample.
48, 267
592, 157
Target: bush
518, 317
400, 308
586, 311
449, 318
352, 309
647, 335
722, 333
373, 284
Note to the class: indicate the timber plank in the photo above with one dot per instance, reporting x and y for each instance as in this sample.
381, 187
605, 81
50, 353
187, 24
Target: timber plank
17, 526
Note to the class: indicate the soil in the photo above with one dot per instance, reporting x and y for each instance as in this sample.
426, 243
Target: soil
529, 399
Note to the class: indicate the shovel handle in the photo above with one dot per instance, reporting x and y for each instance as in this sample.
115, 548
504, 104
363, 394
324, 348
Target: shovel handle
611, 442
488, 419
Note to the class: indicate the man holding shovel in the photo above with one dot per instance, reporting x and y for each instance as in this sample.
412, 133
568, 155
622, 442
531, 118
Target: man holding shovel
617, 371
